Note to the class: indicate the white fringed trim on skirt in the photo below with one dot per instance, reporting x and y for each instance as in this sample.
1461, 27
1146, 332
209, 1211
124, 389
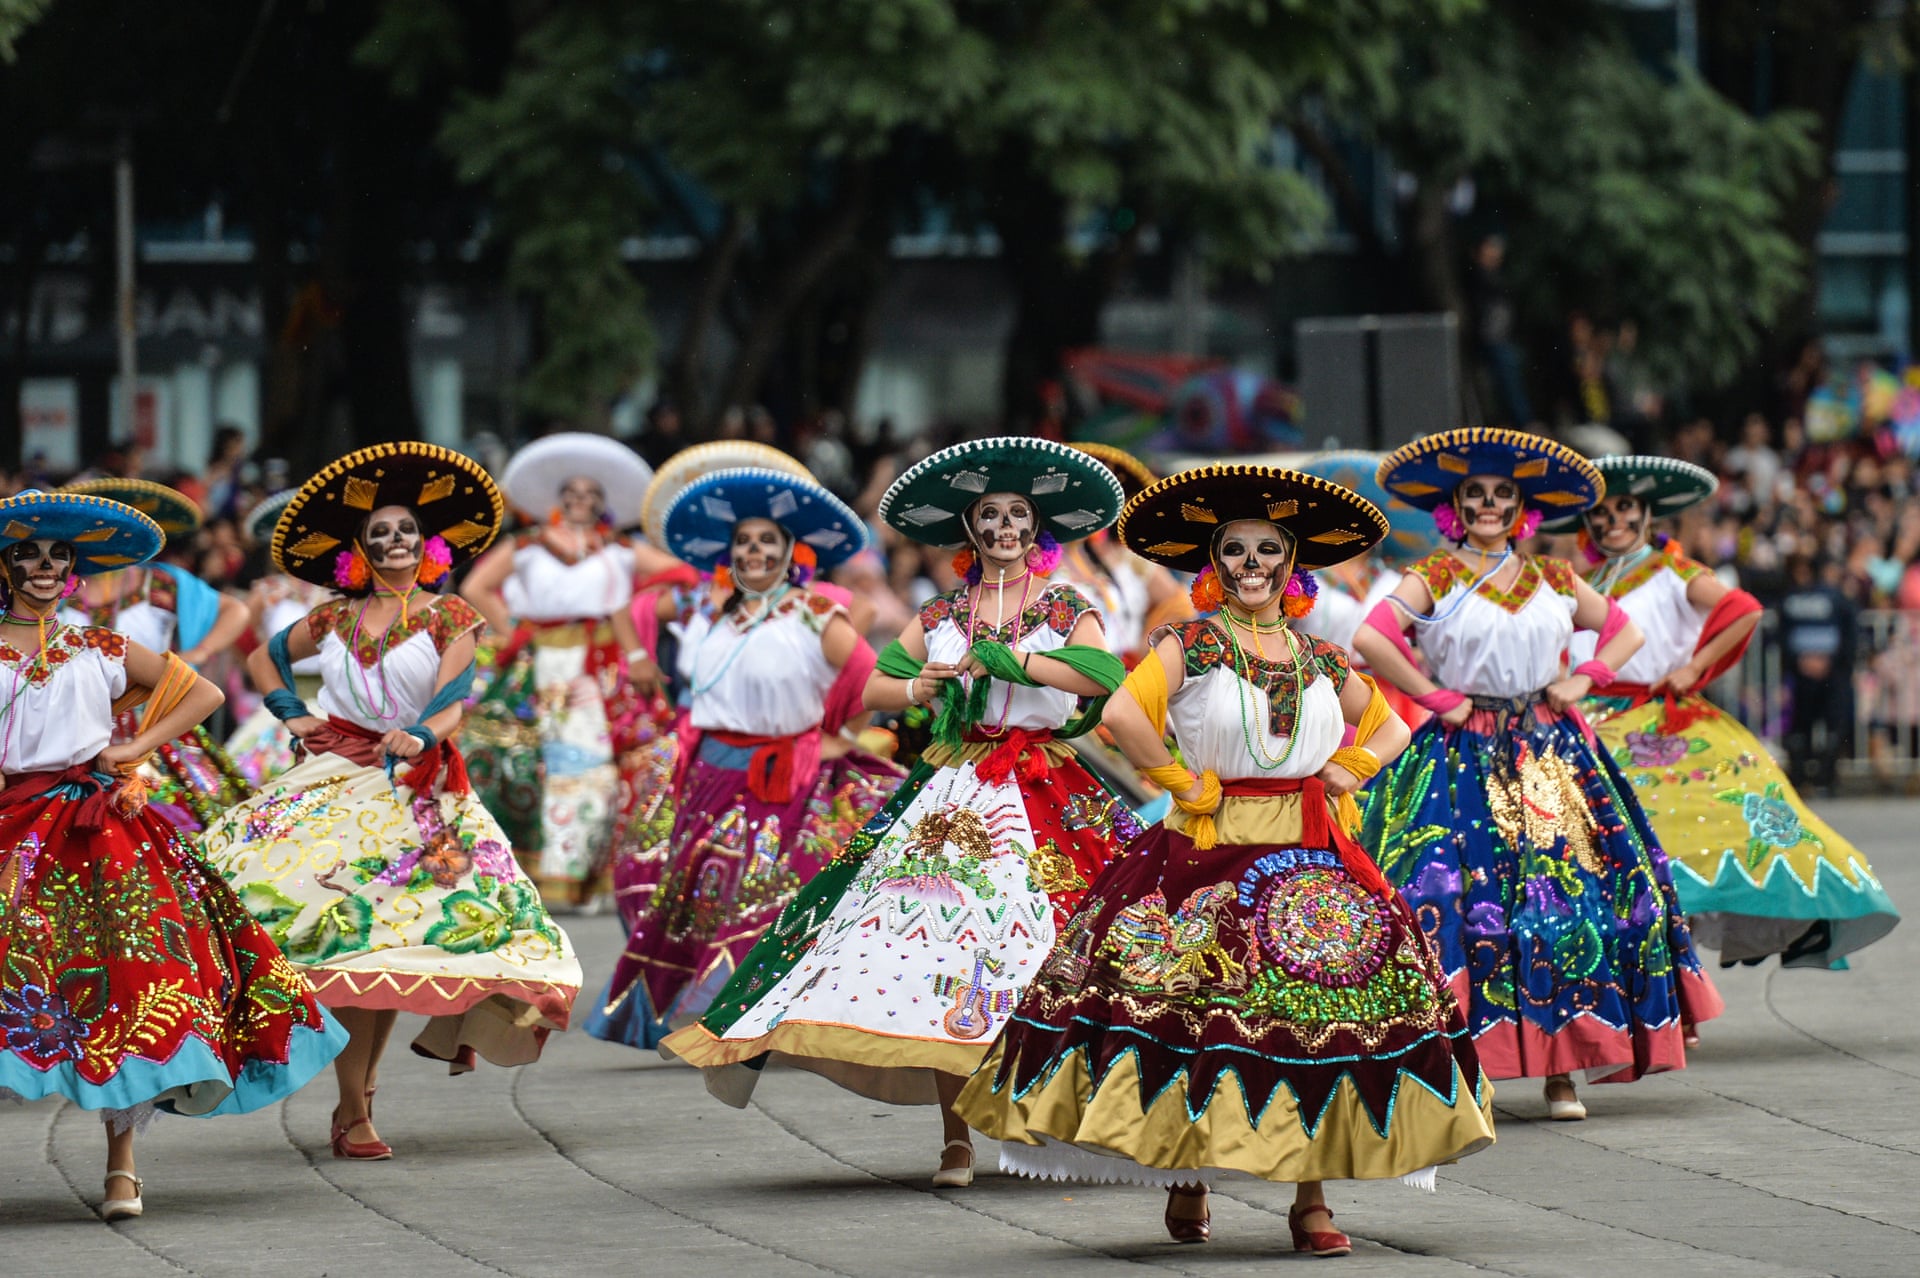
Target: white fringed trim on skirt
1054, 1160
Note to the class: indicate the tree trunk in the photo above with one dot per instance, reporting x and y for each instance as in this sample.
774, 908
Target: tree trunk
802, 271
685, 381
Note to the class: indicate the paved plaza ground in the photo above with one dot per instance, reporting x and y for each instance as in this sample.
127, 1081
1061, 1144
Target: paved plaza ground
1791, 1146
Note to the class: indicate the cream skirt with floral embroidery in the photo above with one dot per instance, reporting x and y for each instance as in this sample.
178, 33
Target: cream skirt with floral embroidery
388, 900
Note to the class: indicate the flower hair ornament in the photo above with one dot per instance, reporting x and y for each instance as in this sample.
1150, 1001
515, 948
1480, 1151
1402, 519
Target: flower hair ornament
802, 565
436, 561
723, 571
1447, 520
351, 571
72, 587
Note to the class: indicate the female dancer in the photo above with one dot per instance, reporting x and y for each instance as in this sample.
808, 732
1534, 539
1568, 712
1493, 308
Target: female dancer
261, 747
1757, 870
770, 791
895, 966
1246, 938
561, 593
130, 976
168, 609
372, 863
1521, 848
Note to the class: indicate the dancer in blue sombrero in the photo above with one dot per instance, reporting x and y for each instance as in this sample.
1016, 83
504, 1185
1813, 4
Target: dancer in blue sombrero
1519, 845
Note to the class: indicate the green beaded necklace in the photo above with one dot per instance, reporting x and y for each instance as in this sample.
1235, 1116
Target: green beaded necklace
1257, 750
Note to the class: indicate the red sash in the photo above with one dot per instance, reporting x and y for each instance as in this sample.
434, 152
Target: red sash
1021, 752
362, 746
779, 764
1318, 829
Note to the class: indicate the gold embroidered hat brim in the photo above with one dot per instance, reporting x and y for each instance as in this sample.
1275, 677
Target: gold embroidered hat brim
106, 535
1554, 479
177, 514
684, 467
1665, 486
1174, 521
1074, 495
451, 495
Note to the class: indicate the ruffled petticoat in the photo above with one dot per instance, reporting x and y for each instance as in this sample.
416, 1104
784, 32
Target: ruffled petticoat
1535, 875
1757, 870
395, 901
131, 976
904, 957
734, 862
1252, 1009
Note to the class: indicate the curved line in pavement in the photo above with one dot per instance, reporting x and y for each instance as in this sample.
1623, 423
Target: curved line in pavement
53, 1161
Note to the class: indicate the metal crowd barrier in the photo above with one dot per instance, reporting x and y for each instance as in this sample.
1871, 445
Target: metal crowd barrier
1885, 744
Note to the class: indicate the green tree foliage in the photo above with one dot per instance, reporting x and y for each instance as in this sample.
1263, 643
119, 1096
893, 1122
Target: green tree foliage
15, 17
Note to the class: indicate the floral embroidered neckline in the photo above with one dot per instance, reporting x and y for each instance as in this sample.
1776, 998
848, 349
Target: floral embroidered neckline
62, 647
442, 620
1058, 608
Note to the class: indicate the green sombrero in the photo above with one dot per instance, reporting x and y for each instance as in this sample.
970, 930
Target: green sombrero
1075, 495
1553, 478
175, 512
1175, 520
260, 520
1665, 486
106, 535
689, 464
451, 495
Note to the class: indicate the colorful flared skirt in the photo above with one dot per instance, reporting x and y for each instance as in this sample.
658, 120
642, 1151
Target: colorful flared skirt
1757, 870
131, 976
1250, 1009
191, 779
261, 748
649, 806
412, 903
905, 957
732, 866
543, 746
1534, 873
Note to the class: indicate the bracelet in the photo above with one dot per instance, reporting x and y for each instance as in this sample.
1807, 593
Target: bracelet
913, 697
1025, 657
638, 655
1598, 672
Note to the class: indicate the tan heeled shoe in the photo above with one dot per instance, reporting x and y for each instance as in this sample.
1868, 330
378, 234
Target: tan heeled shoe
955, 1177
1563, 1111
113, 1209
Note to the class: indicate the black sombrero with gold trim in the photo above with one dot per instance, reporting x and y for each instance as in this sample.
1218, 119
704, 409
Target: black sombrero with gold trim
1174, 521
176, 513
451, 495
1134, 475
1074, 495
106, 535
1665, 486
1553, 478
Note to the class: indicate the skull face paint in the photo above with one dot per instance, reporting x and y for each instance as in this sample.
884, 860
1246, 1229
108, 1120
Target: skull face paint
1488, 506
1254, 560
582, 502
761, 552
37, 571
392, 540
1003, 527
1618, 525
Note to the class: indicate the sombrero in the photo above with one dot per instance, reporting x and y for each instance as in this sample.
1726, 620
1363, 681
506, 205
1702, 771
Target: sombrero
106, 535
690, 464
1665, 486
260, 520
1553, 478
451, 494
535, 476
1410, 531
1074, 495
1132, 473
698, 523
1174, 521
175, 512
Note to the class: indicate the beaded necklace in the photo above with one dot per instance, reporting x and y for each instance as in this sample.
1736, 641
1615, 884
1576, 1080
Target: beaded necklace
1614, 569
772, 598
1257, 750
1437, 615
388, 704
973, 618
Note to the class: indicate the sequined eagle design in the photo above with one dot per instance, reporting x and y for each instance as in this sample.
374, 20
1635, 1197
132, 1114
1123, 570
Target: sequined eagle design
923, 867
1171, 951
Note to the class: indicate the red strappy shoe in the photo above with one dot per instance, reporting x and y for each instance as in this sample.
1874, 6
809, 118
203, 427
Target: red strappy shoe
1321, 1242
371, 1151
1188, 1229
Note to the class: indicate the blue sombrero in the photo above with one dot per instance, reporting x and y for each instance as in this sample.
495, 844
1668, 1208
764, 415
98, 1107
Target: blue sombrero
1553, 478
1665, 486
1410, 531
106, 536
1074, 494
699, 522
